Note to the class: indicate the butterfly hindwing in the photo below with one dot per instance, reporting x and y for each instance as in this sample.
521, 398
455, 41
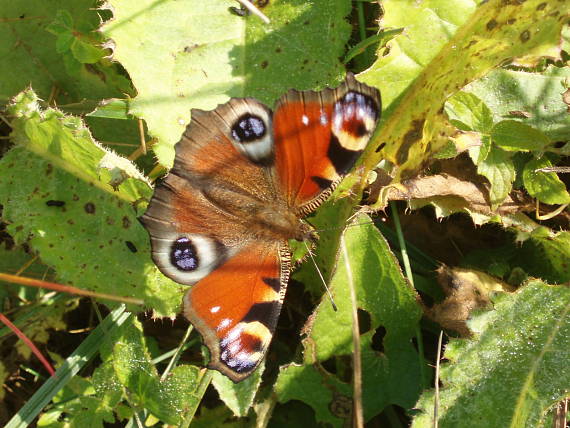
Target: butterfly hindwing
236, 307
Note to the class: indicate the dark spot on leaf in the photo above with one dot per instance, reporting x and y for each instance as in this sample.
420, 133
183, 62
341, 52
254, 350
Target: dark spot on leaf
511, 21
75, 197
278, 50
89, 208
190, 48
471, 43
110, 221
491, 24
410, 138
380, 147
306, 23
541, 6
54, 203
525, 36
126, 222
71, 222
264, 64
131, 246
49, 169
306, 61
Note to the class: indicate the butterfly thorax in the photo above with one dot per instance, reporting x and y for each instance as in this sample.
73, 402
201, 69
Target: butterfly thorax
275, 222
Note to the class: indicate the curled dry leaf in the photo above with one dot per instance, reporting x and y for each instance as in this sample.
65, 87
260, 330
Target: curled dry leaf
457, 189
466, 290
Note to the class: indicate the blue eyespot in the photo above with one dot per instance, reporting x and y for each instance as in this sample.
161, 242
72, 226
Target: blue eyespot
183, 255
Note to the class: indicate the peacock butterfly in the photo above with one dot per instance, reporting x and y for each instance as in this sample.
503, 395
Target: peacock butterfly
243, 179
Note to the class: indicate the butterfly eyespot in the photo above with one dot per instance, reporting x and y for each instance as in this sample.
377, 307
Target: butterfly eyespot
248, 128
183, 255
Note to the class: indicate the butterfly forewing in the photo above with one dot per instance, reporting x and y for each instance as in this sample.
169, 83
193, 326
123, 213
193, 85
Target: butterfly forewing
319, 136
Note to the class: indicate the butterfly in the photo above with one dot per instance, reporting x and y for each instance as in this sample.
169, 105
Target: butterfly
243, 179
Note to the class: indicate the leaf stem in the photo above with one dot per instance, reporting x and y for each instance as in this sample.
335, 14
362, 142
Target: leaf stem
356, 356
408, 270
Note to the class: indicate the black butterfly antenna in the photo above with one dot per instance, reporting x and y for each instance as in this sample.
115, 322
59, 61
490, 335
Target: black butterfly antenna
335, 308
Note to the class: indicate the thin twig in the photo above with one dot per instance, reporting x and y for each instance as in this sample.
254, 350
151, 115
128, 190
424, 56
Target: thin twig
29, 343
141, 134
30, 282
251, 7
176, 355
436, 400
356, 356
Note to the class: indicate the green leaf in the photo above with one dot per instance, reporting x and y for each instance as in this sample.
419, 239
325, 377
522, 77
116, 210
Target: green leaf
537, 94
168, 400
417, 73
499, 169
314, 388
238, 396
545, 255
201, 56
86, 239
37, 56
516, 136
389, 377
544, 186
86, 53
469, 113
513, 370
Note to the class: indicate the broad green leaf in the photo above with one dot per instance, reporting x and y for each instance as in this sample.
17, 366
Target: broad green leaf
203, 55
32, 54
469, 113
89, 235
537, 94
238, 396
516, 136
499, 169
466, 41
388, 377
169, 399
544, 186
514, 368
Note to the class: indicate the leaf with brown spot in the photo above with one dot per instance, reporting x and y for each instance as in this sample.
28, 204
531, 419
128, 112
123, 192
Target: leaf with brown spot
418, 74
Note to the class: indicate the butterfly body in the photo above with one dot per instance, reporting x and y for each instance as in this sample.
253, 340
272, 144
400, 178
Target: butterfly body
243, 179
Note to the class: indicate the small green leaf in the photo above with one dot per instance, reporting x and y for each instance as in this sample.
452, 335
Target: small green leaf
86, 53
238, 396
64, 42
112, 109
512, 135
499, 169
544, 186
469, 113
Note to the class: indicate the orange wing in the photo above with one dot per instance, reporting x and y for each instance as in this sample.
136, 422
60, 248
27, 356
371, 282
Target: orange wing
318, 138
236, 307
